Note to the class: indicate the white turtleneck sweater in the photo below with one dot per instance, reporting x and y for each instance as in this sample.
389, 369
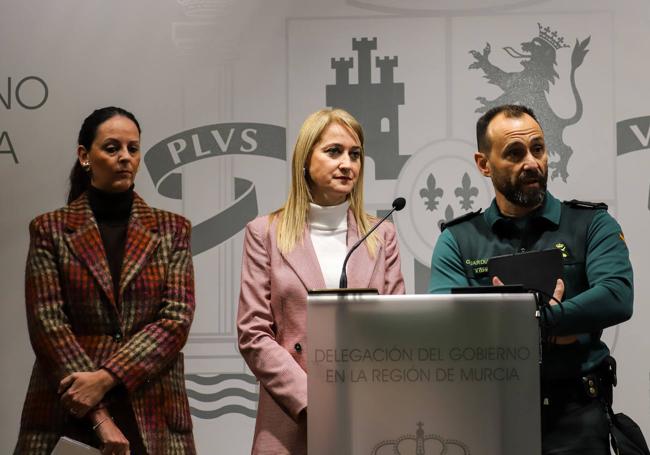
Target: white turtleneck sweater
329, 229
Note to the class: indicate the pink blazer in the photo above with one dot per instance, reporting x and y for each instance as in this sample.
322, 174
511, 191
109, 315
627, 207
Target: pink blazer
272, 319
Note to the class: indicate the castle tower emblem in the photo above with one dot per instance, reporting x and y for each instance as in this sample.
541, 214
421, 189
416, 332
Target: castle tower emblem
375, 105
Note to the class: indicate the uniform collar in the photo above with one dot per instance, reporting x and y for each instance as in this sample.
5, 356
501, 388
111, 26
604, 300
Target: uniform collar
549, 211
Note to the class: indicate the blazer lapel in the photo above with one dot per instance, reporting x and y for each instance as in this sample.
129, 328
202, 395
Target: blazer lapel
84, 240
141, 240
302, 259
361, 266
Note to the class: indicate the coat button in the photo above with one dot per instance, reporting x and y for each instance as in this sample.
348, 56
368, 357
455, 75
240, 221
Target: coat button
117, 336
297, 347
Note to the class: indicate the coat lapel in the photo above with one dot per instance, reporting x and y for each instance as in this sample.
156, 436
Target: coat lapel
361, 266
302, 259
141, 240
84, 240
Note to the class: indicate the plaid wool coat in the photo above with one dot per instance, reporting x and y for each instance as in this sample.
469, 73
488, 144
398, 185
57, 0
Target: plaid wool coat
77, 324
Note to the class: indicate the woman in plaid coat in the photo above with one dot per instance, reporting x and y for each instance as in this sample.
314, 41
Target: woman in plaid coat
109, 293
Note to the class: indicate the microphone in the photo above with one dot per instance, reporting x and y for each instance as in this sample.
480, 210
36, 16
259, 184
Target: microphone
398, 204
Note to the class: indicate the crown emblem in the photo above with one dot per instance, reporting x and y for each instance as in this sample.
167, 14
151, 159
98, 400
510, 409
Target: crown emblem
416, 444
551, 37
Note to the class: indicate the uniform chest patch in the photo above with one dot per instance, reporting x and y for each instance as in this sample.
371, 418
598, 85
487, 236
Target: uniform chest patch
563, 249
477, 266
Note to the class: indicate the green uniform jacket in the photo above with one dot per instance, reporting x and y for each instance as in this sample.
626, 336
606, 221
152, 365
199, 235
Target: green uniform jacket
597, 270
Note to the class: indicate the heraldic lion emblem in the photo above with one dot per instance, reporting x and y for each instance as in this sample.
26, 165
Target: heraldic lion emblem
530, 85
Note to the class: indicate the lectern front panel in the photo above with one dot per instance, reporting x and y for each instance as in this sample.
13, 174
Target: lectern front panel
423, 374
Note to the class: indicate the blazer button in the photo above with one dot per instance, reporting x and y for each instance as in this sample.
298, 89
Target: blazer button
117, 336
297, 347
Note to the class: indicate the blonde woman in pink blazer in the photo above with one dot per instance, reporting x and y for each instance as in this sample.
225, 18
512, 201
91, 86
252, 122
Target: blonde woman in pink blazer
299, 247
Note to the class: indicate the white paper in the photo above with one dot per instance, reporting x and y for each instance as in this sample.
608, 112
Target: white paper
67, 446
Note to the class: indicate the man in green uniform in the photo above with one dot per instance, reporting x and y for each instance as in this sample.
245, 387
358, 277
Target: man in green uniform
597, 289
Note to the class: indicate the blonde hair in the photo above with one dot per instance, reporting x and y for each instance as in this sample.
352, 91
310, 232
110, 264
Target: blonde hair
293, 216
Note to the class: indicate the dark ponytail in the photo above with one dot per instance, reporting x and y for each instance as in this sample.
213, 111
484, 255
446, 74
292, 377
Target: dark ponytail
79, 181
79, 178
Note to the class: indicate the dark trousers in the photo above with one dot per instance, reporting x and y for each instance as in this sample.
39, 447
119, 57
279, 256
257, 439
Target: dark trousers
575, 427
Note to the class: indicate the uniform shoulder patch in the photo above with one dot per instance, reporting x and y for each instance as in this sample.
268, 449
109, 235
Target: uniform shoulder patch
574, 203
466, 217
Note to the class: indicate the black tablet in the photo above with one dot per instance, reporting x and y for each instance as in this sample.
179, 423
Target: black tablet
534, 270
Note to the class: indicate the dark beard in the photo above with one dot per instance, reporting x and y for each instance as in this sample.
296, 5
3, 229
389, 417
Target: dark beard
518, 194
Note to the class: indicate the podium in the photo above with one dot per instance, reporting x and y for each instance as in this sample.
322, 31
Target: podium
423, 374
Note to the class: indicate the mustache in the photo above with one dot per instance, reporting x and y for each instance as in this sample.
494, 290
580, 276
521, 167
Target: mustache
532, 175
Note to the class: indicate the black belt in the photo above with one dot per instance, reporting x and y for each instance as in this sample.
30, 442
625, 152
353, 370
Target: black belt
595, 385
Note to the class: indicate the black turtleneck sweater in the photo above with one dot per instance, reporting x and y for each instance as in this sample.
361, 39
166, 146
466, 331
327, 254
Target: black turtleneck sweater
112, 212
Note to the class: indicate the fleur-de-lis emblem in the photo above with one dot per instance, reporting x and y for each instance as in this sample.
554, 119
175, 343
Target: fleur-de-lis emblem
466, 192
431, 193
449, 215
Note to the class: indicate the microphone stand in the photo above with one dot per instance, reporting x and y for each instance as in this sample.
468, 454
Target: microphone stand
398, 204
343, 281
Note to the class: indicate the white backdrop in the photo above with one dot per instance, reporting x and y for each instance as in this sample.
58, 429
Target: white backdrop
221, 87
